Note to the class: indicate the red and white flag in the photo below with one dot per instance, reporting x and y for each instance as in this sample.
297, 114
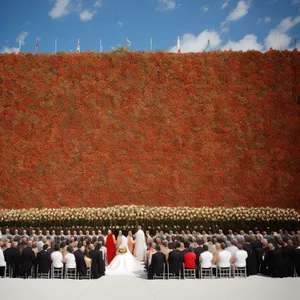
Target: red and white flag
78, 46
178, 45
37, 45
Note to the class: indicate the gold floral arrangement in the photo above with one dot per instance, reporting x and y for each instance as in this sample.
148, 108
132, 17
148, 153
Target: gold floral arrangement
122, 249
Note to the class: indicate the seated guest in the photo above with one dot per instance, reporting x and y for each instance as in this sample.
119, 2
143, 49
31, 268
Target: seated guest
275, 263
240, 257
251, 259
206, 257
157, 263
233, 247
182, 248
190, 258
216, 253
150, 252
69, 258
12, 257
44, 260
224, 257
80, 262
288, 252
175, 260
260, 254
297, 259
27, 260
57, 257
2, 260
165, 249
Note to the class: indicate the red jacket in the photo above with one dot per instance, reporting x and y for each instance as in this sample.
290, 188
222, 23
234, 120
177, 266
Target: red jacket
190, 260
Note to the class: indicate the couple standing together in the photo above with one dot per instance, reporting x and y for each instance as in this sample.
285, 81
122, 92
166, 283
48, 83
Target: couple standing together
124, 256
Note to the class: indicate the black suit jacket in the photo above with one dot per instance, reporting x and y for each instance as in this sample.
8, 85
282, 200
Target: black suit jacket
157, 264
198, 251
80, 263
27, 260
297, 261
98, 266
12, 257
44, 261
288, 257
175, 261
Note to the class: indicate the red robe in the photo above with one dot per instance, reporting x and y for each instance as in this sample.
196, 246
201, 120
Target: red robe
111, 248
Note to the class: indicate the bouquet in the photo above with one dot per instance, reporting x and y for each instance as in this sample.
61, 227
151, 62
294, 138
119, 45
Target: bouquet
122, 249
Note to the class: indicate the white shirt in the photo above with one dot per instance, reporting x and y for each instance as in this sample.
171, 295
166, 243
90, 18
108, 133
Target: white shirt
232, 249
206, 258
240, 256
70, 261
57, 258
224, 259
104, 255
2, 260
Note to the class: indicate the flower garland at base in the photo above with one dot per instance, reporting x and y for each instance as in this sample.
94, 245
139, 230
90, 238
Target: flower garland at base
151, 217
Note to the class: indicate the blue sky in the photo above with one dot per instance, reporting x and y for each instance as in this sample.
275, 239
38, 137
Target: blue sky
235, 24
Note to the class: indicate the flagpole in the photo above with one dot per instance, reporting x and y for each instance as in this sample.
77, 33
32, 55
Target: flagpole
100, 45
150, 44
19, 46
55, 46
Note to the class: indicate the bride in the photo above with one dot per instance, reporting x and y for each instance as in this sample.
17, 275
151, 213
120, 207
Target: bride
124, 262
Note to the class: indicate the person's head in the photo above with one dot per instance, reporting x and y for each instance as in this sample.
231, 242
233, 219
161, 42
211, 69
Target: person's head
56, 247
223, 246
129, 233
29, 244
109, 231
234, 242
265, 243
153, 245
205, 247
165, 243
139, 227
177, 245
157, 248
218, 246
230, 231
239, 246
45, 247
271, 246
190, 248
120, 232
91, 247
70, 249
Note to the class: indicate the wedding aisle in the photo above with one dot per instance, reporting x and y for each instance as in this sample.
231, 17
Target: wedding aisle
133, 288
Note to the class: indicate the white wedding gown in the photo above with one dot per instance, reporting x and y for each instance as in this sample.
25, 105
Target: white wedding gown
125, 264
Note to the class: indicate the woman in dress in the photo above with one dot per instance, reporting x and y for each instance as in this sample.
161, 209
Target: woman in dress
110, 246
130, 242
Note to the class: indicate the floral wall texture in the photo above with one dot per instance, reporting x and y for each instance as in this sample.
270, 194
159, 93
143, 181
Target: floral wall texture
205, 129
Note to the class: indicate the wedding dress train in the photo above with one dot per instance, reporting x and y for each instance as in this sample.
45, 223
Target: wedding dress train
125, 263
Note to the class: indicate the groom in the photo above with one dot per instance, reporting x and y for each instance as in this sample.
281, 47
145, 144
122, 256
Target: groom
140, 244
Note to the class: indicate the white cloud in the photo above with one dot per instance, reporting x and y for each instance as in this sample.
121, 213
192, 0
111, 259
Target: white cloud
240, 11
192, 43
278, 38
295, 2
87, 15
248, 42
225, 4
61, 8
120, 23
267, 20
204, 8
164, 5
6, 49
21, 37
98, 4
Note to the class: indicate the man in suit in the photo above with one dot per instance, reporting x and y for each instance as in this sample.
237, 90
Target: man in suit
12, 257
27, 260
297, 259
80, 263
157, 263
44, 260
198, 250
176, 260
288, 257
98, 267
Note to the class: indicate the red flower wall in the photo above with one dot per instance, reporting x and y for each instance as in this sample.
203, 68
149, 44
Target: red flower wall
219, 128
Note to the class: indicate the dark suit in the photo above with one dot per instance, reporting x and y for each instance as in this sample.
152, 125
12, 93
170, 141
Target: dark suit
98, 266
44, 261
275, 264
12, 257
288, 257
251, 259
297, 261
27, 261
175, 261
80, 263
157, 264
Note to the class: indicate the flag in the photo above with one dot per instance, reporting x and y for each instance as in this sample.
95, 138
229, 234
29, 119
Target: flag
36, 45
178, 45
128, 42
78, 46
